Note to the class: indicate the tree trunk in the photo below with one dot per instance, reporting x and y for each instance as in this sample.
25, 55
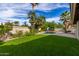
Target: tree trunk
32, 27
65, 26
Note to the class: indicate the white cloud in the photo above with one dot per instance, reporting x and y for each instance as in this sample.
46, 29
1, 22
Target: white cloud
14, 19
14, 9
9, 10
7, 13
49, 6
14, 5
56, 19
27, 6
43, 7
27, 21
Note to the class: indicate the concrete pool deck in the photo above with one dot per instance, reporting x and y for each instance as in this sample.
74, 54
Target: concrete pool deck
59, 34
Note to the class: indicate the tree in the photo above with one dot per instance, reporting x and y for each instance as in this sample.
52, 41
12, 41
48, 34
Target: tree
40, 22
32, 17
36, 21
4, 30
8, 27
25, 24
50, 25
32, 20
34, 5
16, 23
59, 25
1, 29
65, 17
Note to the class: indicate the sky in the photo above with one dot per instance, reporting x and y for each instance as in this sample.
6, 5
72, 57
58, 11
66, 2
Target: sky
19, 11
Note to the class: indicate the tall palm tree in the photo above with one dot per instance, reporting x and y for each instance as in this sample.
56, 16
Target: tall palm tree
34, 5
65, 17
32, 16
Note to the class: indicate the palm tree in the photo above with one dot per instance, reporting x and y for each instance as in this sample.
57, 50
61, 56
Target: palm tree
65, 17
34, 5
32, 19
32, 16
36, 21
16, 23
39, 22
24, 23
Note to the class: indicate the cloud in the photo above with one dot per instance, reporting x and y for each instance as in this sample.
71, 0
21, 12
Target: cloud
14, 19
8, 10
19, 11
14, 5
7, 13
50, 6
56, 19
27, 22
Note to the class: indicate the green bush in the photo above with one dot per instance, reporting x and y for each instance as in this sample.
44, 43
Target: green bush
29, 34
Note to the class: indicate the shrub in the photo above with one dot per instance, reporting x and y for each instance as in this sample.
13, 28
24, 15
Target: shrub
29, 34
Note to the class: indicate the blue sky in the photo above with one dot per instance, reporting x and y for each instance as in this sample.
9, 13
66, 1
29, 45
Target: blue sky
19, 11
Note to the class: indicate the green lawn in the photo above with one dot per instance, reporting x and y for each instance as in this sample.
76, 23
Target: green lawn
40, 45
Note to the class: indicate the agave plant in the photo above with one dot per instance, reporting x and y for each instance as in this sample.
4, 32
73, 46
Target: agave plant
65, 17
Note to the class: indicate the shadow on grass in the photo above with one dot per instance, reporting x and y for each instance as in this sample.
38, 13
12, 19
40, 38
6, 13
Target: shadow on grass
45, 46
1, 42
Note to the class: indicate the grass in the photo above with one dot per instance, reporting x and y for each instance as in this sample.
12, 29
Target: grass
40, 45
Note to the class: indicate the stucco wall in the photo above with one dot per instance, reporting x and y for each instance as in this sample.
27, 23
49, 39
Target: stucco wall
18, 28
77, 30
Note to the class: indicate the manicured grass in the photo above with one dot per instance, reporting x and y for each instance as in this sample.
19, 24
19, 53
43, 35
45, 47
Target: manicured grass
40, 45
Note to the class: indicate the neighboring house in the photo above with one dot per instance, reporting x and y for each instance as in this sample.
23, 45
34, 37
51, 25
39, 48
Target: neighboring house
19, 28
75, 16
